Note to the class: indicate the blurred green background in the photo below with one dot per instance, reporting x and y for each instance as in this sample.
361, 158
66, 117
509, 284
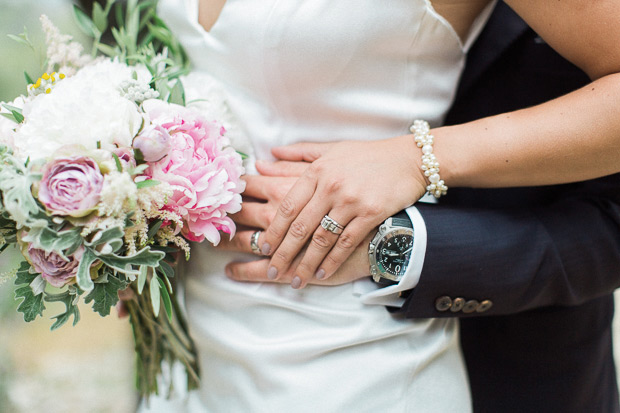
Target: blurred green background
87, 368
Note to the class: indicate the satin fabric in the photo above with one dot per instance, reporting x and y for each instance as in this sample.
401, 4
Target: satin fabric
317, 70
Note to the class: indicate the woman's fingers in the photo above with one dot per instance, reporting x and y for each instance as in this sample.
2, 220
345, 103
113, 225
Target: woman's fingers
326, 254
288, 210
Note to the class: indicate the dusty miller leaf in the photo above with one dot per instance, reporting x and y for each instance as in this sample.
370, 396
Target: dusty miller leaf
105, 295
68, 299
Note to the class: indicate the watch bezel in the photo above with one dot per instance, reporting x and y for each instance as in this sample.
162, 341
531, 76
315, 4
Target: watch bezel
375, 268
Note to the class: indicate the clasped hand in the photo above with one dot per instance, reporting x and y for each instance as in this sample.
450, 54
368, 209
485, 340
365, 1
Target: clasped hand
357, 184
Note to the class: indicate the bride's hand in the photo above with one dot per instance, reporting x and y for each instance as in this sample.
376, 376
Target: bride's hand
261, 199
357, 184
355, 267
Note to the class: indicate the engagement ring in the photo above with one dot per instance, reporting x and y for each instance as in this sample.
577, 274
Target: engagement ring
331, 225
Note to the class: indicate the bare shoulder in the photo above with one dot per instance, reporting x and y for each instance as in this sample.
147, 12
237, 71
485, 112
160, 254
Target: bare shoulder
586, 32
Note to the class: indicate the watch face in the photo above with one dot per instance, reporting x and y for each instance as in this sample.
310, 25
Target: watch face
393, 252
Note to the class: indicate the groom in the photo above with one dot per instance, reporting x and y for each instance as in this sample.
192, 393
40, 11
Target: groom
545, 345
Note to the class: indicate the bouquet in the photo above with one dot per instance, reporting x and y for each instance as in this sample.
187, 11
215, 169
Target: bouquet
105, 177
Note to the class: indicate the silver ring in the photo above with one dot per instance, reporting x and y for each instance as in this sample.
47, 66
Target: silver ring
331, 225
254, 243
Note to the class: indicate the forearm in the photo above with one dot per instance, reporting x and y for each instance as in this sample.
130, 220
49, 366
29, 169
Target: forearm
572, 138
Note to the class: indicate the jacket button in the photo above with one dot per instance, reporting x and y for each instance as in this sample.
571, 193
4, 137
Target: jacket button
470, 306
484, 306
443, 303
457, 304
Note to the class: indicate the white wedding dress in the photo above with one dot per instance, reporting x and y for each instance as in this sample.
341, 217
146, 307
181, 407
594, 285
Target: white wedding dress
318, 70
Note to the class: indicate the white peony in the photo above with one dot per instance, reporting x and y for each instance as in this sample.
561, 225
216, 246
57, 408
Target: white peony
83, 109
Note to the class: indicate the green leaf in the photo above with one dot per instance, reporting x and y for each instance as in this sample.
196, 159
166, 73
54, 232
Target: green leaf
142, 278
85, 23
100, 17
108, 50
32, 305
119, 166
165, 269
83, 272
147, 183
105, 295
24, 276
165, 298
243, 155
22, 38
153, 230
16, 112
28, 78
112, 236
177, 94
155, 295
145, 256
68, 299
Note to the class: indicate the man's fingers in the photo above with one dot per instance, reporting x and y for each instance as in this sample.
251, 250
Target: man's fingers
281, 168
254, 214
305, 151
239, 243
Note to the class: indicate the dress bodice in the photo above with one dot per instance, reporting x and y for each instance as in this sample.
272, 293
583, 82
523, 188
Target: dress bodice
318, 70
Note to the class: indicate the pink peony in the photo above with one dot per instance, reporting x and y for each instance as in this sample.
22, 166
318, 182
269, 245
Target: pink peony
204, 172
71, 186
53, 268
153, 142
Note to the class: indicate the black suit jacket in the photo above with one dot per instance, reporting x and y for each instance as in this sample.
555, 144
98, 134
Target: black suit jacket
548, 257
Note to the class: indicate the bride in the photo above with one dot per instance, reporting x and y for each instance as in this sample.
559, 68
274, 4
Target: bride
318, 71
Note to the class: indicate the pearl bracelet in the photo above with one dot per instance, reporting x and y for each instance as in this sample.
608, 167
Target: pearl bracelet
421, 132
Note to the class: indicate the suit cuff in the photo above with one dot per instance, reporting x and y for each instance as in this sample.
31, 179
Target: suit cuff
390, 296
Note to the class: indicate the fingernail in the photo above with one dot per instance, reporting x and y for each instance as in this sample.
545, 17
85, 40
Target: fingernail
296, 283
320, 274
272, 273
265, 249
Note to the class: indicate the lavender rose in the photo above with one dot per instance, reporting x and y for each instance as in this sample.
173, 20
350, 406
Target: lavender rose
71, 186
53, 268
154, 143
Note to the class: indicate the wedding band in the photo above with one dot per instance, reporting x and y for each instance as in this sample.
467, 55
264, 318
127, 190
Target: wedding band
331, 225
254, 243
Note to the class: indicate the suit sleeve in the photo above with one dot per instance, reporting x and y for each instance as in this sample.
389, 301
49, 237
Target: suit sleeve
563, 253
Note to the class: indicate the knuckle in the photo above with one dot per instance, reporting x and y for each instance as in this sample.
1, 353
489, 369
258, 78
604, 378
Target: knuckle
374, 209
333, 185
281, 256
320, 241
287, 208
298, 230
331, 262
346, 242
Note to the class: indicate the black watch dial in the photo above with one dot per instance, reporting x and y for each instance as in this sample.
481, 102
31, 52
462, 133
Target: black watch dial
393, 252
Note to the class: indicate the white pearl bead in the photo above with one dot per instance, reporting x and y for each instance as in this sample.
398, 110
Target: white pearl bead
434, 178
427, 149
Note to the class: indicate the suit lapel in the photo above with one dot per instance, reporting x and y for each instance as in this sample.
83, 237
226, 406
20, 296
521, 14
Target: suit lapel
503, 28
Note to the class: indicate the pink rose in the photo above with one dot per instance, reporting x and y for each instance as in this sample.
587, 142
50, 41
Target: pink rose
204, 172
53, 268
153, 142
71, 186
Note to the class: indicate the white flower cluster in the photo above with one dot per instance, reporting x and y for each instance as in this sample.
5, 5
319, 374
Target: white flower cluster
62, 50
107, 120
137, 91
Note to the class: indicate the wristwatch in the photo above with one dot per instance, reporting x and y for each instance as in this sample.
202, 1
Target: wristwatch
389, 251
